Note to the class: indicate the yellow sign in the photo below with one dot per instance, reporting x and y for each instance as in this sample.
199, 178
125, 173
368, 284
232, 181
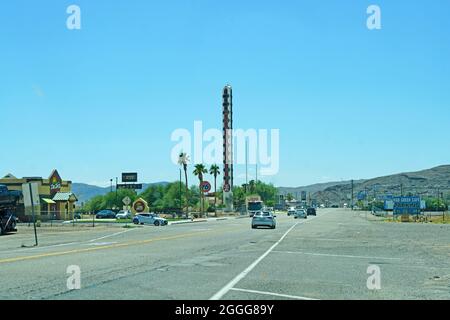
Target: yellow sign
140, 206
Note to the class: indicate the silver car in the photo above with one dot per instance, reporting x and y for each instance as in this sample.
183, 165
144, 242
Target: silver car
300, 213
264, 219
149, 218
124, 214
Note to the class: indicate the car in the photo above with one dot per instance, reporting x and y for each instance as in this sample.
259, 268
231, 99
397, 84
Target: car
291, 212
77, 215
311, 212
264, 219
150, 218
300, 213
124, 214
105, 214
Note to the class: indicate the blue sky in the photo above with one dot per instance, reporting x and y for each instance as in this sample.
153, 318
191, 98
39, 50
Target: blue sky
349, 102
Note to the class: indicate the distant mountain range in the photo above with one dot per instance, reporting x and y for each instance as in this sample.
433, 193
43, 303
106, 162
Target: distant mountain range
421, 182
425, 182
85, 192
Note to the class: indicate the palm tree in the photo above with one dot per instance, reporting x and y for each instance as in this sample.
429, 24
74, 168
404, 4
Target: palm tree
199, 170
252, 185
183, 160
215, 171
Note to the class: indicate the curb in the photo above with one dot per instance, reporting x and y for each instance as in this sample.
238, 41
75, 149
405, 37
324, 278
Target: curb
188, 221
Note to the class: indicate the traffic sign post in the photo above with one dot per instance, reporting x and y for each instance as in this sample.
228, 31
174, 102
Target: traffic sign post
205, 187
31, 199
126, 201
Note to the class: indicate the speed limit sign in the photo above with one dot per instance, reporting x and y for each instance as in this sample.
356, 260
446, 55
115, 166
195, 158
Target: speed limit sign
205, 187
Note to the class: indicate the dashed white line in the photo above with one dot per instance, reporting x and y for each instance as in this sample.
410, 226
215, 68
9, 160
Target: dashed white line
110, 235
272, 294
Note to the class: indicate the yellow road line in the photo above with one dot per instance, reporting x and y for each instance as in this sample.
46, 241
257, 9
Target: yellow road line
112, 246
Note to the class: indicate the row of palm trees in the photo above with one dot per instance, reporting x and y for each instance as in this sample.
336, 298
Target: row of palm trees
199, 170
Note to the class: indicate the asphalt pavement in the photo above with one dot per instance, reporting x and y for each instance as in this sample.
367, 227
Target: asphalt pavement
323, 257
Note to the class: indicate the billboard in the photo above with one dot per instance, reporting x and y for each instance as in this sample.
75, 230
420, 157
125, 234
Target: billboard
129, 177
407, 205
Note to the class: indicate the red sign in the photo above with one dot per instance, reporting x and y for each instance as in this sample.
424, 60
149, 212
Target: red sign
205, 187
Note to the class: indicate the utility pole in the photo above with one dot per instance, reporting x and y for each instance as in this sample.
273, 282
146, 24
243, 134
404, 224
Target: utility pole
352, 195
246, 166
181, 201
117, 182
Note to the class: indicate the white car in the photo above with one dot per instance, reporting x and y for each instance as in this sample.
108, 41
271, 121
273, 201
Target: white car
149, 218
124, 214
291, 212
300, 213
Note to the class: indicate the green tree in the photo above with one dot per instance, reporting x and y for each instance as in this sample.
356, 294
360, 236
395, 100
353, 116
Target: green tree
215, 171
289, 197
199, 171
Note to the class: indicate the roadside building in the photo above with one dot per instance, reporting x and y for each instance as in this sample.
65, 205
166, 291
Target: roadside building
57, 201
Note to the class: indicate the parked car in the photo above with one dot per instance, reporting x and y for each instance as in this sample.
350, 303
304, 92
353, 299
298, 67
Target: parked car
105, 214
149, 218
77, 215
311, 212
124, 214
291, 212
264, 219
300, 213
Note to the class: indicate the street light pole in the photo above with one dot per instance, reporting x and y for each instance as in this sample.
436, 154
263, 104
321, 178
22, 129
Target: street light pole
117, 179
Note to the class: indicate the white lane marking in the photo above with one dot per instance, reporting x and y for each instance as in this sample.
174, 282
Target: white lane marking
101, 243
110, 235
38, 248
273, 294
337, 255
244, 273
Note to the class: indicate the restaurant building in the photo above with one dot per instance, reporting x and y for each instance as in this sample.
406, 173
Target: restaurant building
57, 201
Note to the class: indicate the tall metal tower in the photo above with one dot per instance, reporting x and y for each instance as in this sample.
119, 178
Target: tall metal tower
227, 147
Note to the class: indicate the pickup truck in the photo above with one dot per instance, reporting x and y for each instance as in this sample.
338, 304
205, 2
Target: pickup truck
8, 204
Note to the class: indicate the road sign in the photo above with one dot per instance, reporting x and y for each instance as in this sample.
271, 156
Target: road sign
31, 195
205, 187
303, 195
129, 177
132, 186
407, 205
361, 195
126, 201
226, 188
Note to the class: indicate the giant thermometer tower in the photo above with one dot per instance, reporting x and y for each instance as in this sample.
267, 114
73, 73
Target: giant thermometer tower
228, 147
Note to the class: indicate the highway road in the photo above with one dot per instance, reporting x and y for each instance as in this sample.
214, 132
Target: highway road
323, 257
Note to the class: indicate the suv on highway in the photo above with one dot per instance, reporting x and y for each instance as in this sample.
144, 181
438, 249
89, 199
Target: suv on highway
300, 213
264, 219
311, 212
